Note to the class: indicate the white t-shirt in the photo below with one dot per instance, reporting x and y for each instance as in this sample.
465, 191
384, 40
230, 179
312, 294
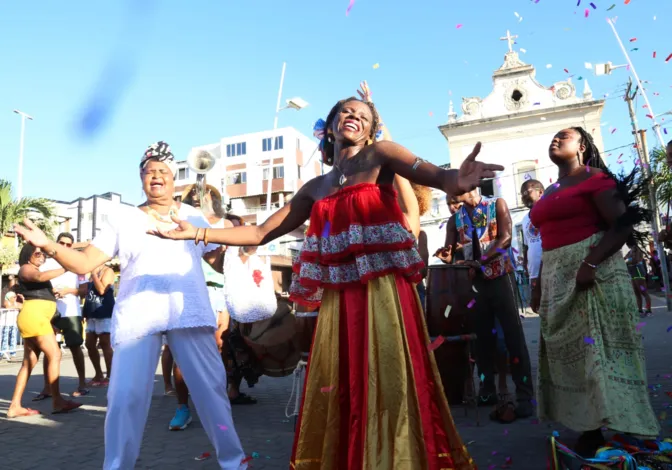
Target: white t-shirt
70, 305
161, 282
532, 239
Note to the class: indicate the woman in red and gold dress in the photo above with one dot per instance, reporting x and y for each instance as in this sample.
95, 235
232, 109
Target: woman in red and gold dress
373, 396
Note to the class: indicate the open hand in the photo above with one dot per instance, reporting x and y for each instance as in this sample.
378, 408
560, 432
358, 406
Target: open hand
31, 233
472, 172
365, 93
184, 231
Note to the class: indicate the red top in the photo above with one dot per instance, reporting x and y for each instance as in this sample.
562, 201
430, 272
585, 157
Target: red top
570, 215
355, 235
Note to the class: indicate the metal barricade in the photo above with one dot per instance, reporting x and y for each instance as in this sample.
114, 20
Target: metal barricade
10, 339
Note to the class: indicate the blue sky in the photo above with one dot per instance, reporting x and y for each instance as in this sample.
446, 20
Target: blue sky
192, 72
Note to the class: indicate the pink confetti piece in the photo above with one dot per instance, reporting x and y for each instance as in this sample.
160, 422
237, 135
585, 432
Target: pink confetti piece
586, 13
222, 427
654, 56
514, 250
350, 5
633, 39
203, 456
640, 326
327, 389
458, 26
588, 340
471, 303
668, 58
613, 130
436, 343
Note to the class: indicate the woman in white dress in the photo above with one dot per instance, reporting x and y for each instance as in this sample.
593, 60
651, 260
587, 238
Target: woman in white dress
162, 290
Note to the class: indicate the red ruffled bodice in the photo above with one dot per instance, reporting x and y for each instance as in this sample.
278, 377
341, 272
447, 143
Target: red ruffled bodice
355, 235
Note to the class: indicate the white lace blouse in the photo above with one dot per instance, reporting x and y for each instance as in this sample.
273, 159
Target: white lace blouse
161, 285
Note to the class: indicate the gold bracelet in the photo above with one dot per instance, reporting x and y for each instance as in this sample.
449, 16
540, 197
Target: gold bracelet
205, 236
198, 231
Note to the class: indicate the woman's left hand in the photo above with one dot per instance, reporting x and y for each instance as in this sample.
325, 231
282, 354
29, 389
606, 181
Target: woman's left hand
585, 277
472, 172
184, 231
365, 93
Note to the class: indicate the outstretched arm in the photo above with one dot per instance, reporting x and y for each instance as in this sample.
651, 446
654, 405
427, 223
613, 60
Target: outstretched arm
29, 273
282, 222
78, 262
401, 161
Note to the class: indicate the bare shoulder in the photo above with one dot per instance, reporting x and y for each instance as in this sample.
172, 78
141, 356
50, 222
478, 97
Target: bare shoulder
228, 223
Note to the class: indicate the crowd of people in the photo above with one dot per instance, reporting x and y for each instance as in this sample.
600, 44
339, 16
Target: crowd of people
362, 265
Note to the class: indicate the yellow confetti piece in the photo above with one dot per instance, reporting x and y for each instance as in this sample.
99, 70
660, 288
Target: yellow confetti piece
375, 66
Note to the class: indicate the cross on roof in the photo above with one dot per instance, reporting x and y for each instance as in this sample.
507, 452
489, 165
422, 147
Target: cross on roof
510, 39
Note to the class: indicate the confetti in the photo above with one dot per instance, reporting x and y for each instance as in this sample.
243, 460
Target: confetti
506, 432
654, 56
255, 455
668, 58
326, 229
548, 66
222, 427
588, 65
640, 325
593, 5
613, 130
669, 328
458, 26
524, 51
611, 7
556, 434
537, 104
633, 39
634, 49
375, 66
586, 13
447, 312
350, 5
203, 456
525, 379
494, 331
588, 340
482, 378
626, 2
436, 343
515, 360
578, 3
330, 387
471, 303
566, 71
474, 289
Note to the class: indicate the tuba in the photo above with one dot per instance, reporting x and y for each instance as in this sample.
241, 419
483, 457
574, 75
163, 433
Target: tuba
201, 162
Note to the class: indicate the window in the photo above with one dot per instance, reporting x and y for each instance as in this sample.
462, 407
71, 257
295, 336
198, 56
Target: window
236, 178
234, 150
487, 188
278, 173
266, 144
516, 95
182, 173
278, 143
103, 218
523, 171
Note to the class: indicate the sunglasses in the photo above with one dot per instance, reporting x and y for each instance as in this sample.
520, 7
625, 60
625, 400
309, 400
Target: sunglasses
39, 254
69, 245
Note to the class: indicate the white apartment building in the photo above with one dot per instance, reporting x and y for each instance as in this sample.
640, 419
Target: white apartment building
242, 169
84, 217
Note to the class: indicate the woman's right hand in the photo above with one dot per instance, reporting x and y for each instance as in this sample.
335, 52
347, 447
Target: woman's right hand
184, 231
31, 233
445, 254
365, 93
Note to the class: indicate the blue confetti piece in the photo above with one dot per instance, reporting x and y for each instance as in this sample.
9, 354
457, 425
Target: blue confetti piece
326, 229
494, 331
588, 340
482, 377
255, 455
669, 328
556, 434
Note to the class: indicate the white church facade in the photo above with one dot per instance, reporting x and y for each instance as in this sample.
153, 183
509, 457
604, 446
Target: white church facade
515, 123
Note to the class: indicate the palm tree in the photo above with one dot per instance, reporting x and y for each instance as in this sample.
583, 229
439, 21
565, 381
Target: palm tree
662, 177
39, 210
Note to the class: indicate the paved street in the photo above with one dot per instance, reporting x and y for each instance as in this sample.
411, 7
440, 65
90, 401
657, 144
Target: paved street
75, 441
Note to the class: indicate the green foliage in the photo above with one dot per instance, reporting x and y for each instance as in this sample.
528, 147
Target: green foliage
8, 256
39, 210
662, 176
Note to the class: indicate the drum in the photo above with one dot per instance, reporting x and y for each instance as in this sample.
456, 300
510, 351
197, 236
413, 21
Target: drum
450, 285
273, 341
305, 328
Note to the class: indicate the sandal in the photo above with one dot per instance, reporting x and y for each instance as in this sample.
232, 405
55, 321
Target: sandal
243, 399
69, 406
81, 392
41, 396
504, 413
28, 412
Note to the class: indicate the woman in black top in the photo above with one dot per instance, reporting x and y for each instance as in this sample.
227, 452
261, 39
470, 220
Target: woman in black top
34, 322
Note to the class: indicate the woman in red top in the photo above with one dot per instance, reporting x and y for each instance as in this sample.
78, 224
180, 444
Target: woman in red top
373, 396
592, 372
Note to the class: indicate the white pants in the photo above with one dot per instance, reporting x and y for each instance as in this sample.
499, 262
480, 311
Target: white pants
132, 383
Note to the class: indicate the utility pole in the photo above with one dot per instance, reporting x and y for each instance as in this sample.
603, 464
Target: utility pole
643, 152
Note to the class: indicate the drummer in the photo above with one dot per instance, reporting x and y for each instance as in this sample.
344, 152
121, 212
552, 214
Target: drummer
483, 227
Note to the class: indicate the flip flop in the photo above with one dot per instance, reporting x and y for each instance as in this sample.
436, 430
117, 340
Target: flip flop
41, 396
81, 392
243, 399
28, 412
69, 406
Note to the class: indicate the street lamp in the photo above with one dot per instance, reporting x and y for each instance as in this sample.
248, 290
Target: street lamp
606, 69
293, 103
19, 184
